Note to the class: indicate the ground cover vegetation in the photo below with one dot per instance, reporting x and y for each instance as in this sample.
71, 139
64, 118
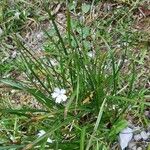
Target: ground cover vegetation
74, 74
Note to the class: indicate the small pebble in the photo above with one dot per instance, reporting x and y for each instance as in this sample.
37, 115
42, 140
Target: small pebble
137, 137
139, 148
134, 148
147, 114
131, 145
144, 135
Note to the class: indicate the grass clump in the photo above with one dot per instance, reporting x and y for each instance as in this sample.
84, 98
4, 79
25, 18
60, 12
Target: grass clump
84, 79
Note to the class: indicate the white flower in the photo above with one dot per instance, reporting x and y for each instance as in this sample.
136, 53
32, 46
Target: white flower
59, 95
41, 133
91, 54
49, 140
125, 137
17, 14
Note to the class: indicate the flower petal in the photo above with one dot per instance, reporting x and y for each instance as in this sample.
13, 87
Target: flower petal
57, 90
58, 99
41, 133
64, 98
62, 91
49, 140
55, 95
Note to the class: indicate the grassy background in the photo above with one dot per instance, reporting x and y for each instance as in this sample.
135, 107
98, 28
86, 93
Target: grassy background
104, 91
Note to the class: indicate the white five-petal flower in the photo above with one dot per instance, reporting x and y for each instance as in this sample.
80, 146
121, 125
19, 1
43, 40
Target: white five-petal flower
41, 133
59, 95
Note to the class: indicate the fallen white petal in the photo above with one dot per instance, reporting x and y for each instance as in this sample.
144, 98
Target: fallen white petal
41, 133
125, 137
62, 91
49, 140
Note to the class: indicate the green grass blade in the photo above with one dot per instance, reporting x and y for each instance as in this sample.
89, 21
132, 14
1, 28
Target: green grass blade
13, 84
54, 128
96, 124
56, 28
82, 138
131, 82
12, 147
42, 98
